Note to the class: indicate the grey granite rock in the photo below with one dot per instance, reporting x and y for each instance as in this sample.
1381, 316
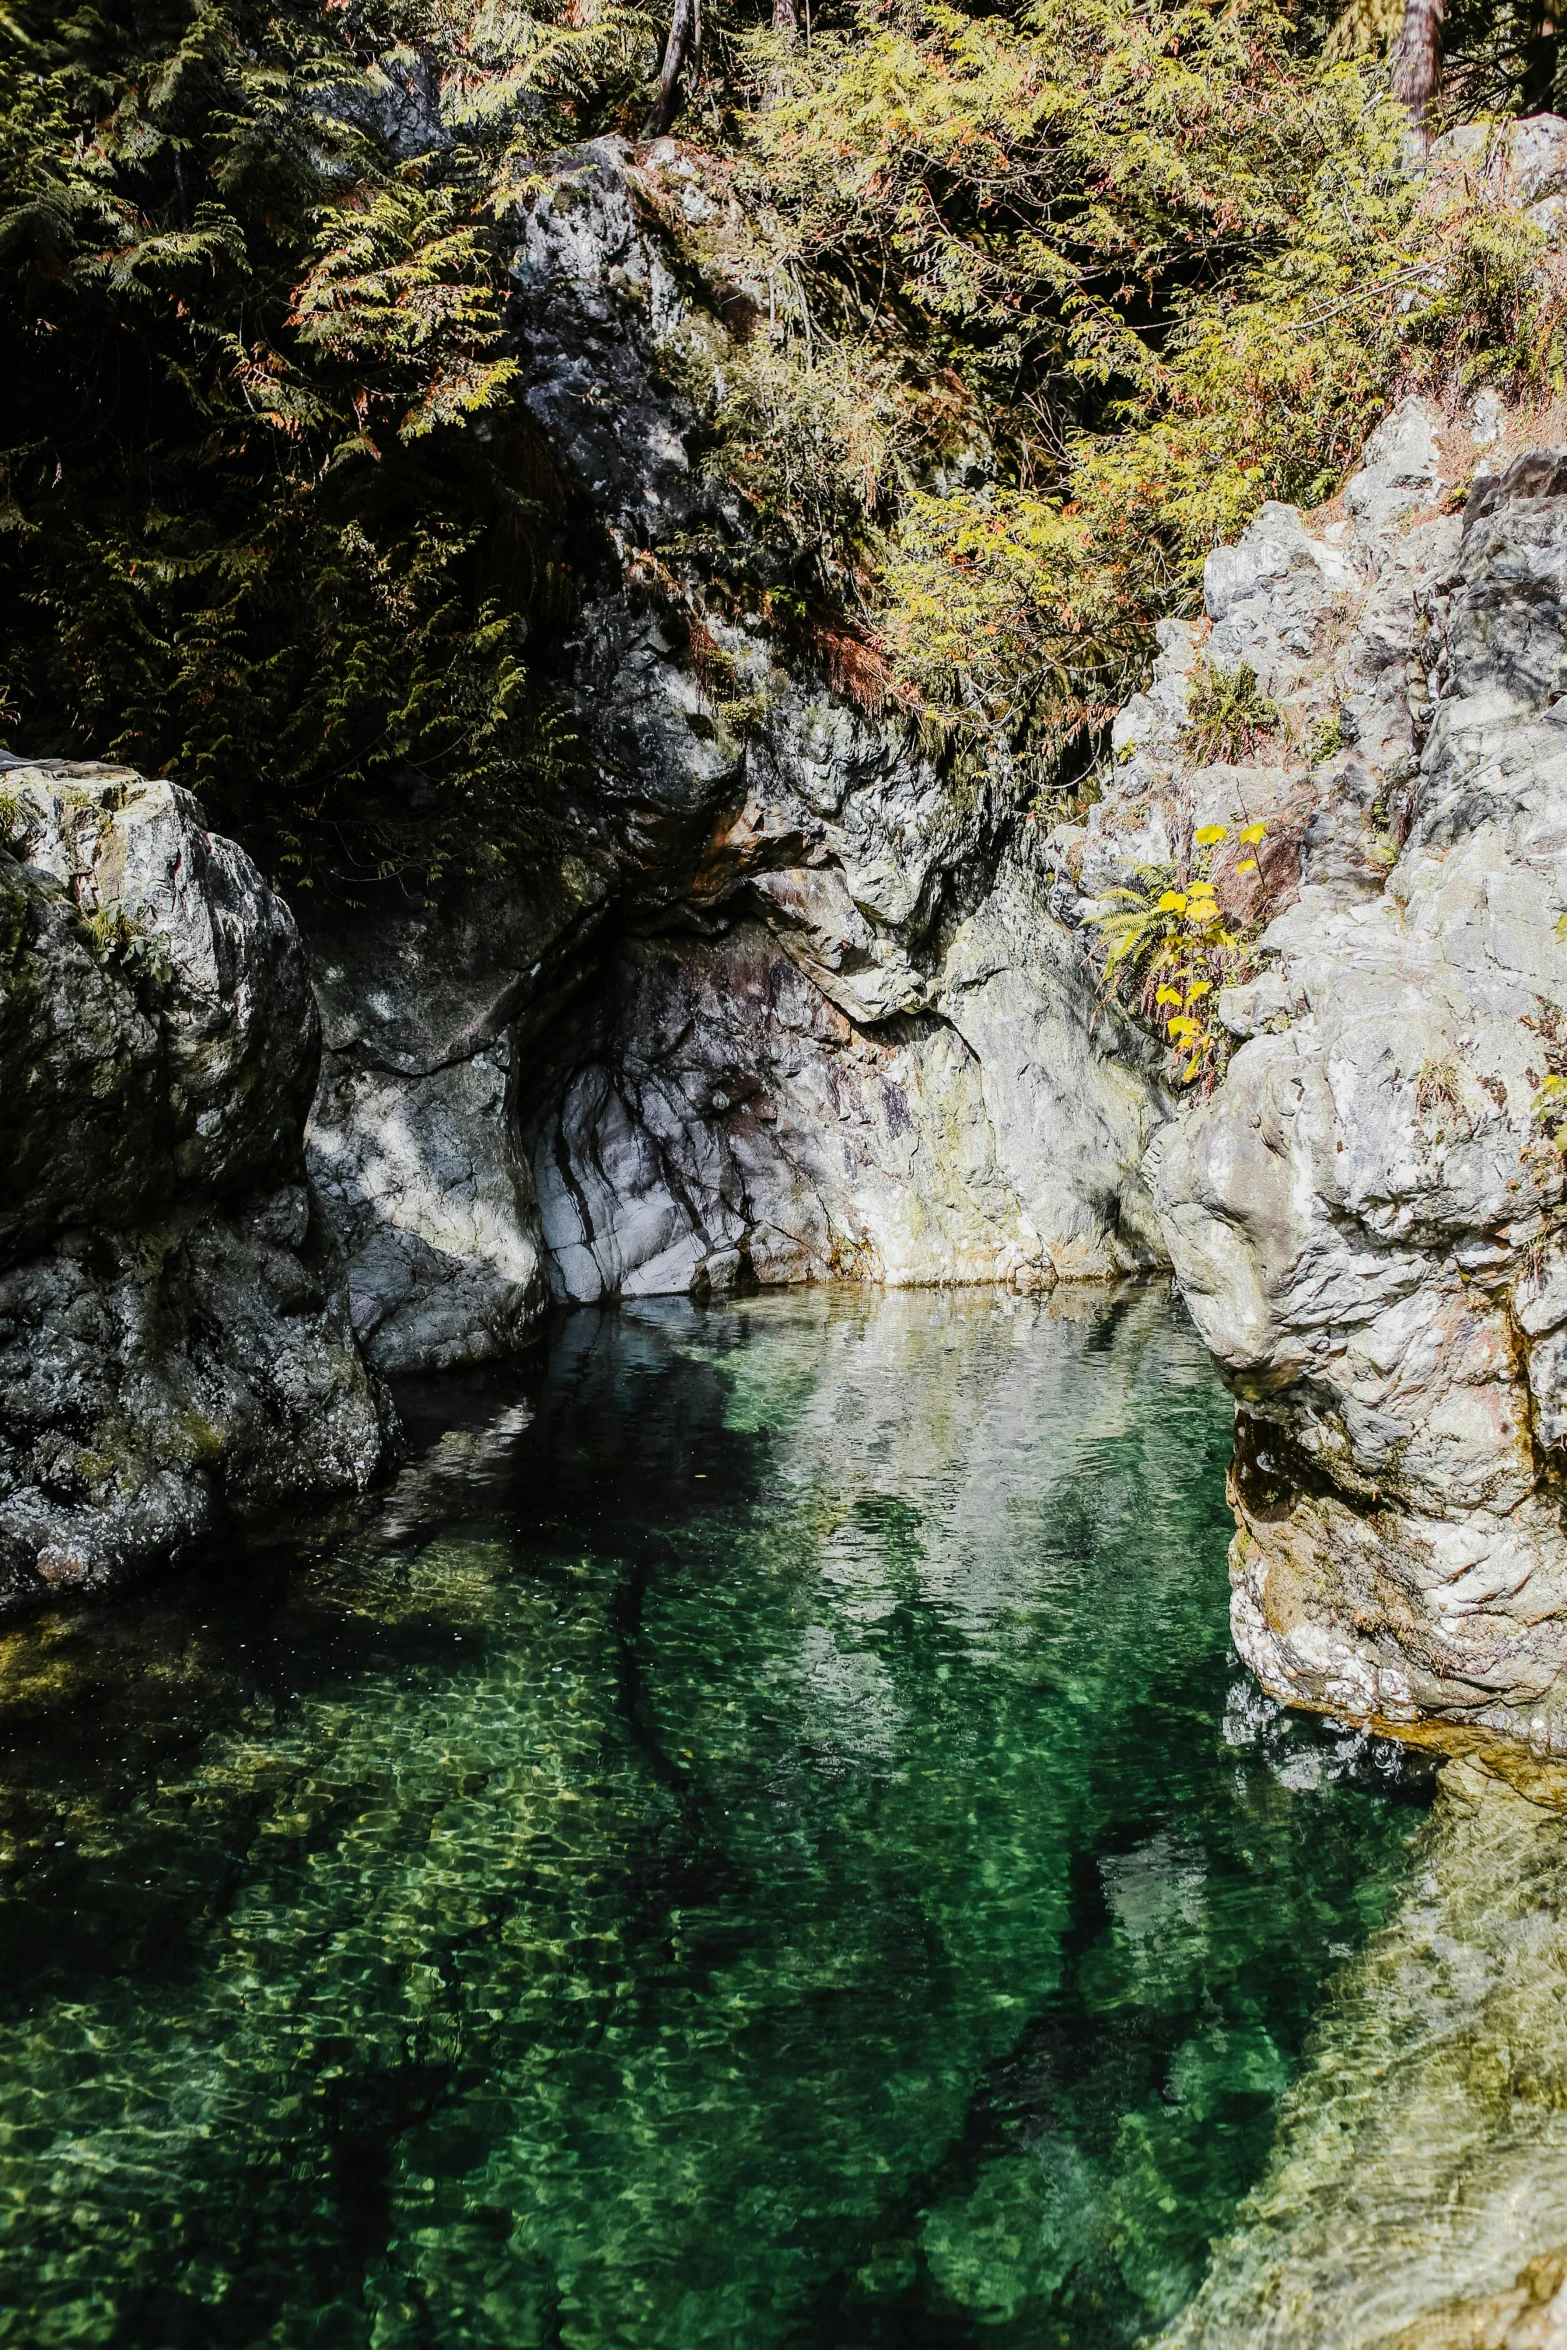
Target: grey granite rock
1527, 158
1356, 1213
158, 1028
411, 1143
175, 1349
717, 1117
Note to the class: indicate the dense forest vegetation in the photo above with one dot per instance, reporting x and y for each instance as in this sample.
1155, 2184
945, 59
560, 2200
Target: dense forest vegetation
1062, 289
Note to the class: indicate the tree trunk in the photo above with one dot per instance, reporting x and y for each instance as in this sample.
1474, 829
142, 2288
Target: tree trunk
1417, 58
1539, 85
785, 17
682, 55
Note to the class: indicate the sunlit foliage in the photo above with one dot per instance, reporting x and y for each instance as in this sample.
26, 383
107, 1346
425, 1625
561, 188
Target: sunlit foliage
1103, 278
1168, 947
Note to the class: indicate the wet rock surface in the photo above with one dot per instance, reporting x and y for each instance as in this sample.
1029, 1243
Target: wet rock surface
174, 1338
717, 1114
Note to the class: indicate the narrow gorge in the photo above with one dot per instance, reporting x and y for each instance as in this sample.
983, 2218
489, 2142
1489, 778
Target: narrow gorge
793, 1011
853, 1890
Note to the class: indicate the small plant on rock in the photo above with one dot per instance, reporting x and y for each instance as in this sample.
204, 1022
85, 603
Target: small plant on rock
1548, 1111
1437, 1086
1548, 1108
117, 937
1169, 949
1328, 739
1535, 1255
1227, 714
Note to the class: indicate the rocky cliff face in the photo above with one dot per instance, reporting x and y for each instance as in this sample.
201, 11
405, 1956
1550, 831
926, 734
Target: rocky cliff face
174, 1339
795, 1008
791, 1009
1366, 1216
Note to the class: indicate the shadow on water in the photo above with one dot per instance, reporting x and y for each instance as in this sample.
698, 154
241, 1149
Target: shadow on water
758, 1838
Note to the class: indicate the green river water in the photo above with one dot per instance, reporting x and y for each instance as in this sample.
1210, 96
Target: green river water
758, 1839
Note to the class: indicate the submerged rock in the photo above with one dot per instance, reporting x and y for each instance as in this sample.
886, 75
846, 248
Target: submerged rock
1416, 2197
174, 1338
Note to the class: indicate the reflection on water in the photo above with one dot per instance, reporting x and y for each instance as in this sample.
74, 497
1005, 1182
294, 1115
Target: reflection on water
758, 1840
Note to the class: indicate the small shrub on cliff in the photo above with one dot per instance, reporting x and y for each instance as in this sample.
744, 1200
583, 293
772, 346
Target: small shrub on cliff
1328, 738
1226, 714
1168, 949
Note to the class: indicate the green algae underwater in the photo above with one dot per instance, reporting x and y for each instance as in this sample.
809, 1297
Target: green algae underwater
758, 1839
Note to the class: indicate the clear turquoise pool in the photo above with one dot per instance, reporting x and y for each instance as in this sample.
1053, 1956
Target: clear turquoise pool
758, 1840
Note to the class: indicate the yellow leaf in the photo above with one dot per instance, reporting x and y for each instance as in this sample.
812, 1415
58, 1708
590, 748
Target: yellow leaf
1180, 1028
1201, 889
1205, 913
1211, 833
1253, 833
1168, 995
1198, 989
1173, 902
1191, 1068
1247, 865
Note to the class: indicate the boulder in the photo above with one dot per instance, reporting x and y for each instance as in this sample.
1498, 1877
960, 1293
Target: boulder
175, 1350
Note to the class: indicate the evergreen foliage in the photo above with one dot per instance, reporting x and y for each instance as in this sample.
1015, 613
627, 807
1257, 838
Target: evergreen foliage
1057, 292
274, 523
